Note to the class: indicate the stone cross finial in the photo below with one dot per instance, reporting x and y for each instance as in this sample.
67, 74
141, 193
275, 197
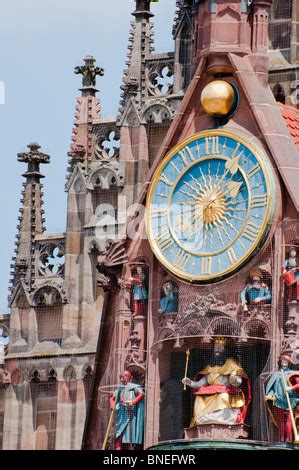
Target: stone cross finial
34, 158
89, 72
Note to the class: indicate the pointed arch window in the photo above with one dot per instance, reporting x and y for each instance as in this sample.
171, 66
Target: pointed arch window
279, 94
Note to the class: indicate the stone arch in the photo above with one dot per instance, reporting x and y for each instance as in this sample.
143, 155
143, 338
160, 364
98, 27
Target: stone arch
279, 93
257, 328
157, 113
228, 15
48, 296
223, 326
132, 119
49, 313
51, 374
87, 370
166, 334
69, 373
79, 185
35, 375
87, 376
104, 178
70, 378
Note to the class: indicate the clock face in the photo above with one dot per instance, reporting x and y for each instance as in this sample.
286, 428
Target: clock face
210, 206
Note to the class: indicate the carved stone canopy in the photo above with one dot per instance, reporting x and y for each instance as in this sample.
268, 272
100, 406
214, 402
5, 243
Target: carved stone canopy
209, 316
110, 265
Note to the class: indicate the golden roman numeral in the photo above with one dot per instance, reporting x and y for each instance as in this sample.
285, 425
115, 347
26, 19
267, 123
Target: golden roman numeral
181, 259
259, 201
253, 171
232, 256
188, 150
212, 145
185, 153
206, 266
251, 231
157, 213
175, 167
164, 240
236, 151
183, 157
165, 180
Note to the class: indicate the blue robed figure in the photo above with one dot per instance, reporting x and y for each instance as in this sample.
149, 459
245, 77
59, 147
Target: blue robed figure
169, 303
128, 401
256, 292
282, 382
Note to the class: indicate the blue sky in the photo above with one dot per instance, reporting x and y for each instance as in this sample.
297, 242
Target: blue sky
40, 44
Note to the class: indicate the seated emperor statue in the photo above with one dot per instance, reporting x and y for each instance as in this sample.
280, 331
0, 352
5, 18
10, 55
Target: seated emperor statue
222, 391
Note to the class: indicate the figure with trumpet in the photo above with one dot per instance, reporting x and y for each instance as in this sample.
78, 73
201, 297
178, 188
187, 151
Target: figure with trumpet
282, 397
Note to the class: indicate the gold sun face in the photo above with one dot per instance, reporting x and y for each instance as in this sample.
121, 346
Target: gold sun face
210, 206
213, 203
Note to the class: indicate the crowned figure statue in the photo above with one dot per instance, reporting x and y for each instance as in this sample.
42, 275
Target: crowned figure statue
221, 389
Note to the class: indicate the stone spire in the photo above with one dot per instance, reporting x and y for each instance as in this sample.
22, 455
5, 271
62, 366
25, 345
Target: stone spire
140, 46
31, 221
87, 110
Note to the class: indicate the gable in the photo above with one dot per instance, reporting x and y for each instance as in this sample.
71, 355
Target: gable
258, 115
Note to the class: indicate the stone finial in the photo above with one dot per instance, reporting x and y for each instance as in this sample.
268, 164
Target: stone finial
89, 72
34, 158
143, 8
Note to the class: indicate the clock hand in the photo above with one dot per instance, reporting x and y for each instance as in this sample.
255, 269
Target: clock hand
232, 167
233, 188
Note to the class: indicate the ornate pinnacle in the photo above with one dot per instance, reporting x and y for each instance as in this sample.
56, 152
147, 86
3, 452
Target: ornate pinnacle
89, 72
34, 158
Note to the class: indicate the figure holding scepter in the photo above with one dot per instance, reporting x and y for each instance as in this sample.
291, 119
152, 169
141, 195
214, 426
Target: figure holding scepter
222, 390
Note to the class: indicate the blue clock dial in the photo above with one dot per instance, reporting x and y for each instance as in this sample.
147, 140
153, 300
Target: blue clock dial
210, 206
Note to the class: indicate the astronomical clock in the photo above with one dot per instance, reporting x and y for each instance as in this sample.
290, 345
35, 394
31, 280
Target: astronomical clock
210, 206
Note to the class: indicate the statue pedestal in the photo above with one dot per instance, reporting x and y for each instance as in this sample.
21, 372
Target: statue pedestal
217, 431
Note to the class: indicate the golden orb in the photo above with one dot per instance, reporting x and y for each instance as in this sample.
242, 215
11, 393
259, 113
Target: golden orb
217, 98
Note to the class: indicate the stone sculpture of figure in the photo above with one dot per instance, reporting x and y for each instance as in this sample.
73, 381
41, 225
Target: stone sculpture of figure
291, 274
222, 391
4, 340
128, 401
169, 302
284, 380
138, 283
256, 292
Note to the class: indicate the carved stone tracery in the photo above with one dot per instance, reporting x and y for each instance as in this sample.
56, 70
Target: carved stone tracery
160, 78
209, 316
107, 142
51, 259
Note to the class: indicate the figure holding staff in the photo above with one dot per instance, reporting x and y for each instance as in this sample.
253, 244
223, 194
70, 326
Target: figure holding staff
282, 397
127, 403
